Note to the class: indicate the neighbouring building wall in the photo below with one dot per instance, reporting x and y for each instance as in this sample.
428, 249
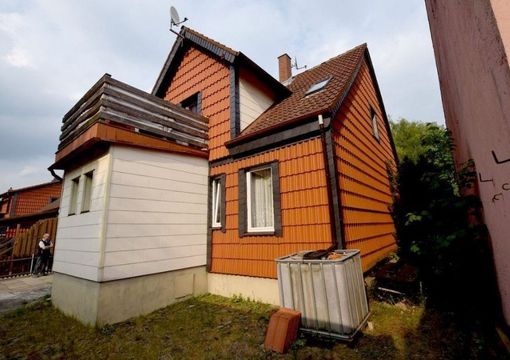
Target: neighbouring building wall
362, 170
80, 236
304, 212
199, 72
254, 98
157, 213
471, 41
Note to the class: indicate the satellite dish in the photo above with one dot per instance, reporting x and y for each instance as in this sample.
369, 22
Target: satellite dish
174, 16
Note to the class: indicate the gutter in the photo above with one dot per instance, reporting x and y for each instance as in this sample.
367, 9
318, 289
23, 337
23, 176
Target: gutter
333, 206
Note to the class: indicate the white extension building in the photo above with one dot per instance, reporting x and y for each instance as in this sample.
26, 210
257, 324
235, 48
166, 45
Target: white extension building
132, 232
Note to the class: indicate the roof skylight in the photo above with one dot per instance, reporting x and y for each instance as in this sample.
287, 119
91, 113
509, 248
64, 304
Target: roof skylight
317, 86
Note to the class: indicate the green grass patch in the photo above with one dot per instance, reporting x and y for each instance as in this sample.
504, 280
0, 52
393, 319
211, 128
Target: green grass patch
213, 327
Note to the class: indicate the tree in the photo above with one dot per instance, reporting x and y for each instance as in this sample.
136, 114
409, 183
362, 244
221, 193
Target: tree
434, 222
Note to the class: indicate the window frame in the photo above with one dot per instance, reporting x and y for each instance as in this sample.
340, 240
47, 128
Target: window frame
250, 227
220, 180
245, 228
195, 98
73, 200
87, 202
375, 125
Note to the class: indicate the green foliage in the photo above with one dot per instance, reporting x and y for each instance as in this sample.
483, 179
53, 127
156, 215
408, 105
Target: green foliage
407, 136
434, 222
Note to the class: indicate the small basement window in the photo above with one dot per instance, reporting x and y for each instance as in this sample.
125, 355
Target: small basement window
375, 127
73, 204
87, 192
317, 86
193, 103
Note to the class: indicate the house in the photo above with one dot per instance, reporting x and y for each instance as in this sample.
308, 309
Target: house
200, 185
20, 208
471, 43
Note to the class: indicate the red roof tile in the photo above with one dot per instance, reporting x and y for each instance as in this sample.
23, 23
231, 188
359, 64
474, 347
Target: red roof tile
341, 69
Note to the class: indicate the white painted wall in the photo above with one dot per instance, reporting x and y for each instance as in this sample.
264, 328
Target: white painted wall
252, 101
79, 236
157, 213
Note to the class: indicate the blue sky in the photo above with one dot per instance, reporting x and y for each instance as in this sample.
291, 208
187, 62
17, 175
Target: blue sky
52, 51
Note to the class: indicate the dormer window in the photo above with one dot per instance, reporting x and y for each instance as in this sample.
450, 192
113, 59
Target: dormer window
193, 103
317, 86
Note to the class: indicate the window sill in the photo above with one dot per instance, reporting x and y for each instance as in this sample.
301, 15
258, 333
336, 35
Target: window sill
259, 233
84, 211
72, 214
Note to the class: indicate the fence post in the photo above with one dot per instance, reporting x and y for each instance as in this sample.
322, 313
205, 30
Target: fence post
32, 264
11, 265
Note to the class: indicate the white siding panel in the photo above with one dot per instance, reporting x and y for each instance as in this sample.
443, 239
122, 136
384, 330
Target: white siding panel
78, 270
123, 230
132, 192
88, 258
151, 255
141, 205
157, 214
133, 243
159, 172
157, 183
78, 243
143, 268
252, 102
126, 217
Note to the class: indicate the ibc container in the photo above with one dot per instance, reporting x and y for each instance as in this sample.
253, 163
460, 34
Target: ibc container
330, 294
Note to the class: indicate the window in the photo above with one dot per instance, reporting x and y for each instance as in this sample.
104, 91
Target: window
216, 203
193, 103
259, 201
75, 183
375, 128
87, 192
317, 86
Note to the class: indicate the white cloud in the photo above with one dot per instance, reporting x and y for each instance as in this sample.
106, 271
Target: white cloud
18, 57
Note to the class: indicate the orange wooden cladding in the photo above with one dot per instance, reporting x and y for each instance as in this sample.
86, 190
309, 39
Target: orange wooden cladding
199, 72
304, 210
362, 173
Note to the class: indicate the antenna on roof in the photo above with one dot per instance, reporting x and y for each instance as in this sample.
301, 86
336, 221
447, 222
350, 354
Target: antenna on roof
296, 66
175, 20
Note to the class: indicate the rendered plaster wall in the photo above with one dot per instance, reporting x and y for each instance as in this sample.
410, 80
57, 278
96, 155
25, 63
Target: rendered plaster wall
110, 302
259, 289
471, 39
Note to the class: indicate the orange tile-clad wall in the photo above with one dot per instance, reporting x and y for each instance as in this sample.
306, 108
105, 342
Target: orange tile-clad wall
32, 200
200, 72
304, 210
362, 173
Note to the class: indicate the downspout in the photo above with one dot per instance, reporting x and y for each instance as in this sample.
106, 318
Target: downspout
331, 209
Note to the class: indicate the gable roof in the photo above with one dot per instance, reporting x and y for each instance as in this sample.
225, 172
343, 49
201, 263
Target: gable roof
340, 70
189, 36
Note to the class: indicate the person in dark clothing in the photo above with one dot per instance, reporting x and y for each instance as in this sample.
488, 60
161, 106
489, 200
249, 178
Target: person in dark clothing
44, 247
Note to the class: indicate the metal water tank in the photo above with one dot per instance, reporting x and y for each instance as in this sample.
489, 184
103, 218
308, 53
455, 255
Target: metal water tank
330, 294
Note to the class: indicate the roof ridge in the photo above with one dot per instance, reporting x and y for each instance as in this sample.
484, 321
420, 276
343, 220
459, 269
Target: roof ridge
363, 45
215, 42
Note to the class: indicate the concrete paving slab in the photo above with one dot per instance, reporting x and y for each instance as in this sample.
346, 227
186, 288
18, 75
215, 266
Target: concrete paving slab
18, 291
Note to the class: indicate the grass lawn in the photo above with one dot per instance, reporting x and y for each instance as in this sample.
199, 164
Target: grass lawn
213, 327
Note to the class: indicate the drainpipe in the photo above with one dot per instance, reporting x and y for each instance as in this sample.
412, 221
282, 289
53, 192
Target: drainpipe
331, 209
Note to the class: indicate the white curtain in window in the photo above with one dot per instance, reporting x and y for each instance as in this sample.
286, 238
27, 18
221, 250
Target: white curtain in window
262, 199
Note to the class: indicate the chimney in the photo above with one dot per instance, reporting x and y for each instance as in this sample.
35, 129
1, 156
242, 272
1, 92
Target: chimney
284, 67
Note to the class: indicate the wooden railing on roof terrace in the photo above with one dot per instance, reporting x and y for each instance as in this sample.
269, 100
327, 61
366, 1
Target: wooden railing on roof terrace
112, 101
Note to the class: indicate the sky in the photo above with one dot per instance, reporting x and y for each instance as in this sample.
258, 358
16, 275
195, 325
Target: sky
53, 51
